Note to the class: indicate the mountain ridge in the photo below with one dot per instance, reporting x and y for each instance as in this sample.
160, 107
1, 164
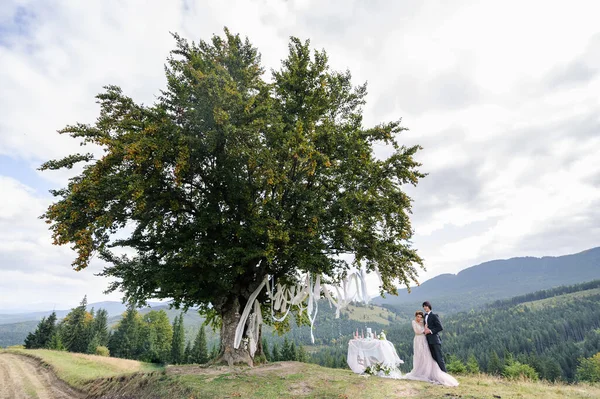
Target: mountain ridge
497, 279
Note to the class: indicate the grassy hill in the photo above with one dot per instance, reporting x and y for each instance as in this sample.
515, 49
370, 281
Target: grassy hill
113, 378
557, 301
498, 279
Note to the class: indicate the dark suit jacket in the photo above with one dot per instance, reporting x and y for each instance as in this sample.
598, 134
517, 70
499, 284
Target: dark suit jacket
435, 325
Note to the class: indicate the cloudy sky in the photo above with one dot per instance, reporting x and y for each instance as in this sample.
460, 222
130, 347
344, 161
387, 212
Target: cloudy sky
502, 95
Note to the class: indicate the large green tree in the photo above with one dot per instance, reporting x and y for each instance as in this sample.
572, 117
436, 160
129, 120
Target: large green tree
230, 177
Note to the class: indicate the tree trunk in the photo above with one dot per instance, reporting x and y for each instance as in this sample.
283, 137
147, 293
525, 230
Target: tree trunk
230, 316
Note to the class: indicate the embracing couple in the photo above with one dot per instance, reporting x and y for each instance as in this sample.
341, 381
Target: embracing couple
428, 361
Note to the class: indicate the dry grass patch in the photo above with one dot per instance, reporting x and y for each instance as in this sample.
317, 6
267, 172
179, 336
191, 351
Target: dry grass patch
114, 363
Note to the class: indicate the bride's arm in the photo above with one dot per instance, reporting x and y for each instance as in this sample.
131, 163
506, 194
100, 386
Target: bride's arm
417, 328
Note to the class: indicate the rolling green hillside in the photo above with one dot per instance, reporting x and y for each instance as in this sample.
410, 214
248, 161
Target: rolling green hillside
15, 333
549, 330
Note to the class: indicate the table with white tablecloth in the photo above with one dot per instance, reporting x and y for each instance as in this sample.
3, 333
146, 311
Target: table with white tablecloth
363, 353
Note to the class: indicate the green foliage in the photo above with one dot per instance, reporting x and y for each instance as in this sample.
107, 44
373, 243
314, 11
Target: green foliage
178, 343
276, 354
93, 345
287, 351
591, 343
302, 356
455, 365
100, 327
56, 342
551, 339
230, 176
102, 351
266, 351
159, 331
214, 352
516, 370
187, 353
42, 336
472, 365
552, 370
75, 328
199, 353
125, 340
589, 369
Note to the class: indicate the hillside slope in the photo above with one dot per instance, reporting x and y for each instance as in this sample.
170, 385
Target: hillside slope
497, 279
549, 330
288, 380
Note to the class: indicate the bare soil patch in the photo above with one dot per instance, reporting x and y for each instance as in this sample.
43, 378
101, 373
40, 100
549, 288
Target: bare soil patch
24, 378
281, 368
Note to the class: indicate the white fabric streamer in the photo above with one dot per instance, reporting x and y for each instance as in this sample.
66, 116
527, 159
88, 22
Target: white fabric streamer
283, 298
240, 327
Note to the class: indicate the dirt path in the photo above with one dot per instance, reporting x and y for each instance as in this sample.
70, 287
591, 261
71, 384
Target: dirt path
23, 378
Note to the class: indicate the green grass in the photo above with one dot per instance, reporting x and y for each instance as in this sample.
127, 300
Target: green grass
299, 380
118, 377
554, 301
365, 314
77, 369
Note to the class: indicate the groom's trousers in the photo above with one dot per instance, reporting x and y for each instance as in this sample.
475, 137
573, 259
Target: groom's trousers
436, 352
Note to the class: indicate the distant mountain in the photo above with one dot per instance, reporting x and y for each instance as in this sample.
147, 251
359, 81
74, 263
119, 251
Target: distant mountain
113, 308
14, 334
494, 280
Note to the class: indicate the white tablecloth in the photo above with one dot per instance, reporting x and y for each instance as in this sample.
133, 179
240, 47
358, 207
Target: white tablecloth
366, 352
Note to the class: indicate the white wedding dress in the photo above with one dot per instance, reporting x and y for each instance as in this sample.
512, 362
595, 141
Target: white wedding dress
425, 368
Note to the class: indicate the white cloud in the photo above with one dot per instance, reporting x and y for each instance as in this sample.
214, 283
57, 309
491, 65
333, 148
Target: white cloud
503, 97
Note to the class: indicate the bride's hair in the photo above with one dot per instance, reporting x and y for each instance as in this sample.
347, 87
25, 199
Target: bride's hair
419, 312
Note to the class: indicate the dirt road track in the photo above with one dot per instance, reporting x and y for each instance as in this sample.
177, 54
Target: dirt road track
24, 378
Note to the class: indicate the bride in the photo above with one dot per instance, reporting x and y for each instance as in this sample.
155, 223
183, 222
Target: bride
425, 368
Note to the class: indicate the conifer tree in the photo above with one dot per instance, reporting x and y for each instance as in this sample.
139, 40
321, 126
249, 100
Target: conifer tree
76, 328
43, 333
472, 365
56, 342
124, 342
178, 343
285, 350
302, 355
200, 350
266, 351
293, 355
162, 331
187, 353
276, 354
494, 365
100, 326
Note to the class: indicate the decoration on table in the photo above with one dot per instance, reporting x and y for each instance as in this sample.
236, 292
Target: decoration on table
381, 335
380, 369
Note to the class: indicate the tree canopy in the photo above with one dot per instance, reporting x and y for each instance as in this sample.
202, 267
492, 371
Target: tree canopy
229, 177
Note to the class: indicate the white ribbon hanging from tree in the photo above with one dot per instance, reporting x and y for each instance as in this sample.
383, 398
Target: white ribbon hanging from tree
285, 297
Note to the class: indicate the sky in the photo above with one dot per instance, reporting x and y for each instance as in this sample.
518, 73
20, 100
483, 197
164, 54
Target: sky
502, 96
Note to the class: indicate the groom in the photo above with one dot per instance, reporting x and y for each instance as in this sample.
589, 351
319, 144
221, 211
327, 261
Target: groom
433, 327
